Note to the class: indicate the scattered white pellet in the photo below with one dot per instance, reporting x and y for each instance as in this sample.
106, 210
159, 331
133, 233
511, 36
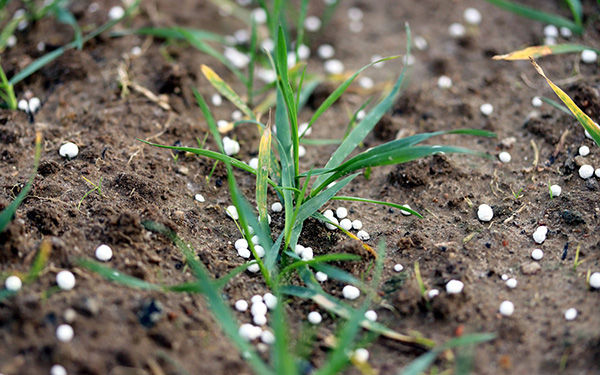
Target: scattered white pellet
536, 101
11, 41
555, 190
298, 249
304, 129
595, 280
253, 268
350, 292
34, 104
244, 253
236, 115
241, 305
454, 286
314, 317
13, 283
361, 114
255, 240
356, 26
472, 16
321, 276
504, 157
249, 332
258, 307
303, 52
223, 125
485, 212
355, 14
328, 214
253, 163
366, 83
565, 32
241, 36
301, 151
334, 66
433, 293
357, 224
504, 277
103, 253
363, 235
380, 64
586, 171
256, 298
486, 109
230, 146
276, 207
64, 333
58, 370
549, 41
444, 82
325, 51
65, 280
266, 75
511, 283
23, 105
312, 23
420, 43
588, 56
371, 315
199, 198
584, 150
307, 253
571, 314
361, 355
597, 172
341, 212
68, 150
231, 211
217, 100
539, 235
456, 30
270, 300
331, 226
135, 50
346, 224
507, 308
550, 31
406, 213
238, 59
116, 12
267, 337
260, 251
398, 267
259, 15
537, 254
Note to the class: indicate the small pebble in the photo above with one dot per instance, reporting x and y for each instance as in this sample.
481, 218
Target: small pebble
371, 315
555, 190
406, 213
530, 268
363, 235
13, 283
321, 276
588, 56
314, 317
537, 254
64, 333
58, 370
116, 12
103, 253
276, 207
68, 150
454, 286
135, 50
472, 16
11, 41
361, 355
511, 283
398, 267
444, 82
355, 14
199, 198
584, 150
258, 308
346, 224
485, 212
504, 157
550, 31
536, 101
486, 109
571, 314
65, 280
350, 292
334, 66
456, 30
301, 151
255, 240
231, 211
307, 253
595, 280
507, 308
432, 293
357, 224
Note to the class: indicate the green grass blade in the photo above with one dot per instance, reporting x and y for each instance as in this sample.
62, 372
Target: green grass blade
366, 125
9, 212
264, 161
63, 15
537, 15
282, 355
320, 142
223, 280
336, 273
40, 261
251, 64
545, 50
357, 199
576, 10
210, 120
318, 260
174, 33
300, 26
557, 105
307, 90
226, 90
116, 276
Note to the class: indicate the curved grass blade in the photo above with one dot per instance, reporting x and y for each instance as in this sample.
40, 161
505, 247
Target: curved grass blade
539, 51
318, 260
537, 15
116, 276
357, 199
557, 105
174, 33
264, 161
585, 120
40, 261
63, 15
226, 90
576, 10
9, 212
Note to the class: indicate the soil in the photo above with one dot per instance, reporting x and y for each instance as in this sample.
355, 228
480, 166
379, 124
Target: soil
114, 332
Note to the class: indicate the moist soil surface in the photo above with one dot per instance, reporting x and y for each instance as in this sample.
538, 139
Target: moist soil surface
83, 102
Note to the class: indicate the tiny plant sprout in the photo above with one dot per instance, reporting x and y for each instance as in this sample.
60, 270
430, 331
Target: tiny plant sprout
104, 253
361, 355
444, 82
504, 157
116, 12
199, 198
321, 276
334, 66
589, 56
363, 235
432, 293
357, 224
34, 104
571, 314
366, 82
312, 23
346, 224
398, 267
230, 146
507, 308
314, 317
371, 315
472, 16
241, 305
259, 320
270, 300
536, 101
350, 292
405, 213
13, 283
551, 31
276, 207
595, 280
253, 268
216, 100
537, 254
68, 150
64, 333
341, 212
267, 337
586, 171
555, 190
584, 150
58, 370
65, 280
511, 283
231, 211
486, 109
326, 51
539, 235
456, 30
454, 286
485, 212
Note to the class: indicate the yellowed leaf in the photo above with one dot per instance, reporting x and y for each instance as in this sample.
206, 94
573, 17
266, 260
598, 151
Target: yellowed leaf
525, 54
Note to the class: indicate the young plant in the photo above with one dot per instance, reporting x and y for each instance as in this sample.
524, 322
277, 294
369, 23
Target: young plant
96, 187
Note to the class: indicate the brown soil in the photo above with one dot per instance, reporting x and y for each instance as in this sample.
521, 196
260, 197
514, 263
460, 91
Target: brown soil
82, 103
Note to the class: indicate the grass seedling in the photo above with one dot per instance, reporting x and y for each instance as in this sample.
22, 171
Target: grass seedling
7, 92
40, 261
576, 261
517, 194
96, 187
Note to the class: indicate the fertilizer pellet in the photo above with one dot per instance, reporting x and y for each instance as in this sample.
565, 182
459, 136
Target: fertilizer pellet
444, 82
326, 51
341, 212
241, 244
504, 157
322, 276
314, 317
276, 207
259, 320
65, 280
361, 355
511, 283
116, 12
371, 315
456, 30
103, 253
68, 150
350, 292
565, 32
433, 293
537, 254
216, 100
64, 333
366, 83
241, 305
346, 224
249, 332
398, 267
555, 190
472, 16
267, 337
550, 31
270, 300
58, 370
231, 211
13, 283
244, 253
230, 146
334, 66
485, 212
357, 224
312, 23
486, 109
363, 235
420, 43
253, 268
260, 251
571, 314
454, 286
588, 56
507, 308
584, 150
536, 101
540, 233
595, 280
199, 198
405, 213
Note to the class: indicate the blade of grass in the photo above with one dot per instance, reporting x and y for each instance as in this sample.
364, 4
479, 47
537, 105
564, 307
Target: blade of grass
116, 276
585, 120
174, 33
557, 105
357, 199
251, 64
539, 51
40, 261
264, 159
210, 120
63, 15
226, 90
576, 10
317, 260
537, 15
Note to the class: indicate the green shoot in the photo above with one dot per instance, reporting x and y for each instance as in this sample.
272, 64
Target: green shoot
95, 187
576, 261
7, 92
